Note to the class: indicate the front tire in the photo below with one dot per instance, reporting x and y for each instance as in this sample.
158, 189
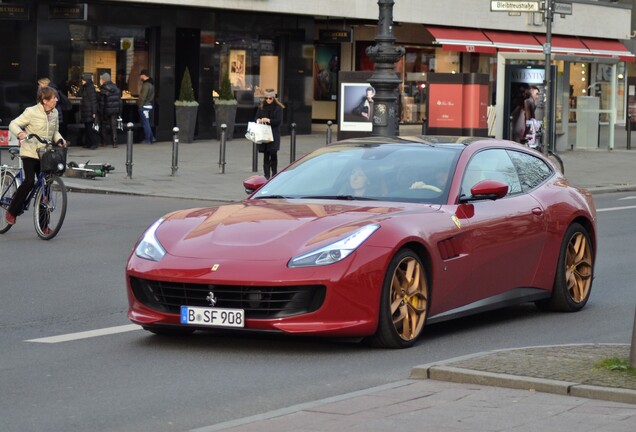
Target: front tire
50, 208
404, 302
575, 271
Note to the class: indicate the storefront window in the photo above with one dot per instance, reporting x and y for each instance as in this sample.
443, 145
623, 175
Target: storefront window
122, 52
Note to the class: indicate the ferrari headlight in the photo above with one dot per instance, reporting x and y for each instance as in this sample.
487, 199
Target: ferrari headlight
336, 251
149, 247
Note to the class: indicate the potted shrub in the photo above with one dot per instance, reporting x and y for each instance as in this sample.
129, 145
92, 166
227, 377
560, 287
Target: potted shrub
186, 108
225, 109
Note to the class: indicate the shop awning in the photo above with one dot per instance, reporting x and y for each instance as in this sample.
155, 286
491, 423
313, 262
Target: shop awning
608, 48
570, 45
462, 39
513, 41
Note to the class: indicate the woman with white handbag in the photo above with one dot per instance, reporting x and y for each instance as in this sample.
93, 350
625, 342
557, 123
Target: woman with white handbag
270, 112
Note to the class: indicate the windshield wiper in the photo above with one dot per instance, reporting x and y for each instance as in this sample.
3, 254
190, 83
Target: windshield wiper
274, 197
340, 197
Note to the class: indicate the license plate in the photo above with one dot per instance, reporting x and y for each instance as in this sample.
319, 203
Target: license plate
214, 317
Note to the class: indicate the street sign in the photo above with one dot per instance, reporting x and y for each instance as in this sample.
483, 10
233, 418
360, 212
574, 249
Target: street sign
563, 8
514, 6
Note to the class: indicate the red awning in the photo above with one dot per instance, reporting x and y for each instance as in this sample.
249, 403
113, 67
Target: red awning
462, 39
608, 48
565, 45
513, 41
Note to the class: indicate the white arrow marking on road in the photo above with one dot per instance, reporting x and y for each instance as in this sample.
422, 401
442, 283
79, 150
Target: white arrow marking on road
87, 334
615, 208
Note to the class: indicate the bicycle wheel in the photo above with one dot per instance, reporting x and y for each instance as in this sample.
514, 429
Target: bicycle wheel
49, 208
8, 186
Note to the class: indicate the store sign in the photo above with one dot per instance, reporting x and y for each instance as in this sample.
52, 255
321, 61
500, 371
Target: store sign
514, 6
68, 11
335, 36
14, 12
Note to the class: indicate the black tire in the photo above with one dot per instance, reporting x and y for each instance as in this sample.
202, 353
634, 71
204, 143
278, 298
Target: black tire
169, 331
6, 182
575, 272
404, 302
49, 208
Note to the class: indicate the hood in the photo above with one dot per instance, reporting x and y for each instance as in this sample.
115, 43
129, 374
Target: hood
266, 230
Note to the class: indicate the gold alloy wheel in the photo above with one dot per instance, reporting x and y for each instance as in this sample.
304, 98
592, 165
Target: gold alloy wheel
409, 301
578, 271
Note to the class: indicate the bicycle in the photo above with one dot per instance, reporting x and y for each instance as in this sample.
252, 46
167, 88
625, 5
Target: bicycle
48, 195
534, 140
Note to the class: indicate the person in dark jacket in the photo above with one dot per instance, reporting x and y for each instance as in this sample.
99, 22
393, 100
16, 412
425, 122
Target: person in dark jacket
145, 104
270, 112
88, 110
109, 108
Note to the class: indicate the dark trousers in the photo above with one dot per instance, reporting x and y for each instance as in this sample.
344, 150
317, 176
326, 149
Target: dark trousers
87, 136
31, 169
109, 129
270, 163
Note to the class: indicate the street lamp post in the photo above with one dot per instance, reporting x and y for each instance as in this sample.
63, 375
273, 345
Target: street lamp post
384, 80
547, 50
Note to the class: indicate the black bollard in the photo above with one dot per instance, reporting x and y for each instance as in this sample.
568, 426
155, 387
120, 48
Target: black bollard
254, 157
629, 131
329, 124
129, 151
424, 125
175, 150
292, 143
222, 150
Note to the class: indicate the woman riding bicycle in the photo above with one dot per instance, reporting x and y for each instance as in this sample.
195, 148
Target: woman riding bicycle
40, 119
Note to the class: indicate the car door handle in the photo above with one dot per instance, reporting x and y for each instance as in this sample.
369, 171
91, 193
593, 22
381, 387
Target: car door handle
537, 211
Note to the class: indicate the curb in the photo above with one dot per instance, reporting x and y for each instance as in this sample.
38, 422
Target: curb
444, 371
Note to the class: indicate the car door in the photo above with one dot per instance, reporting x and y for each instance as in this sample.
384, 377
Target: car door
505, 236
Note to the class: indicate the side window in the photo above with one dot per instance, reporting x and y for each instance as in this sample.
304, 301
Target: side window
532, 170
491, 165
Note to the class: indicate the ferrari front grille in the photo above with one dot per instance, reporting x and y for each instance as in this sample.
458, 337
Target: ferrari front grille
257, 301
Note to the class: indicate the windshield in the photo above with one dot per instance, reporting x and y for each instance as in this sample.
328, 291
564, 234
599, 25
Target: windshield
387, 172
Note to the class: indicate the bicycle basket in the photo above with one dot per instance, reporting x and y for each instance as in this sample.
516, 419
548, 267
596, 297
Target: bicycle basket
53, 160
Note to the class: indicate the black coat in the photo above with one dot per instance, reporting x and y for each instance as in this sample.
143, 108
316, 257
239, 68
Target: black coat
109, 99
88, 106
275, 115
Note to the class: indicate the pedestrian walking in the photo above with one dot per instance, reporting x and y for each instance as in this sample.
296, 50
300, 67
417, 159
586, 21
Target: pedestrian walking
88, 111
109, 109
145, 104
63, 104
270, 112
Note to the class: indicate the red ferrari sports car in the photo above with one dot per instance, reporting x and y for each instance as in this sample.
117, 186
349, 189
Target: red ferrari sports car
372, 237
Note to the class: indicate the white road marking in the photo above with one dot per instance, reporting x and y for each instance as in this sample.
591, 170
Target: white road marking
616, 208
87, 334
627, 198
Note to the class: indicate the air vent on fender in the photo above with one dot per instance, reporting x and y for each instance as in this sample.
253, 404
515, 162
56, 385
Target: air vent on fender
448, 248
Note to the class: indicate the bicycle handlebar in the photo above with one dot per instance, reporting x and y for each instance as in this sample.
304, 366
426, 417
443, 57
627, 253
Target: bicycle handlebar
43, 140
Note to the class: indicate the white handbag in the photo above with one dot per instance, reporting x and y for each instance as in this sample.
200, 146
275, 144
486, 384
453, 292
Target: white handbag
259, 133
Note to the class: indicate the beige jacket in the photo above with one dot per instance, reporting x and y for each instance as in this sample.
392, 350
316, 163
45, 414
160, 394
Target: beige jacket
34, 120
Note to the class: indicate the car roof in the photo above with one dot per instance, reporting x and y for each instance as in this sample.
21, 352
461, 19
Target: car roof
421, 139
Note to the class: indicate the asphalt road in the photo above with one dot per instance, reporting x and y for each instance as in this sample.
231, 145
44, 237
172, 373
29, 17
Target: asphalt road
134, 381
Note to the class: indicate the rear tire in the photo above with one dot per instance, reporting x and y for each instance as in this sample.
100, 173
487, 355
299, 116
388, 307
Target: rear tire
7, 183
575, 273
404, 302
49, 208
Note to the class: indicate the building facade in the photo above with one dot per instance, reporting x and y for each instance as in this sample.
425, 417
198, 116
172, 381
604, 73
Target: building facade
300, 49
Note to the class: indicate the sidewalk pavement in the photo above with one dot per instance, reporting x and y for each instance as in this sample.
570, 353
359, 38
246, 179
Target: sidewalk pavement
199, 174
535, 388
